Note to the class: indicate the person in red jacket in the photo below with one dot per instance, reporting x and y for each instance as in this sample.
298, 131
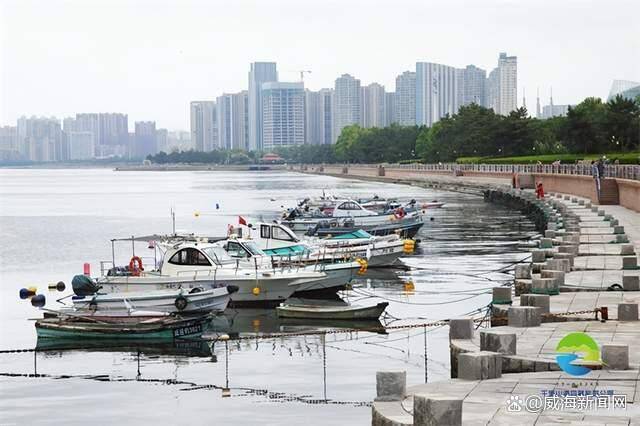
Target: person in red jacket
539, 190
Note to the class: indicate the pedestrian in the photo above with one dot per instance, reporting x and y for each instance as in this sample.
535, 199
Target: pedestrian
595, 171
600, 165
539, 191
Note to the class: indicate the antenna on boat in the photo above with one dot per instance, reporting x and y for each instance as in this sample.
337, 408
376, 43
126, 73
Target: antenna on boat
173, 220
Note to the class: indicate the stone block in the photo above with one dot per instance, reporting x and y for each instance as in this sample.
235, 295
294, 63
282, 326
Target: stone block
601, 213
523, 271
495, 340
556, 275
542, 301
570, 257
437, 410
614, 222
631, 283
629, 262
479, 365
587, 205
568, 248
538, 256
546, 243
391, 385
626, 311
550, 233
615, 357
594, 209
618, 229
544, 286
621, 238
608, 217
460, 328
627, 249
557, 265
574, 200
566, 197
524, 316
581, 202
501, 295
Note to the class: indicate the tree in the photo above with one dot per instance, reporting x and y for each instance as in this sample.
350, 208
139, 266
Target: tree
622, 124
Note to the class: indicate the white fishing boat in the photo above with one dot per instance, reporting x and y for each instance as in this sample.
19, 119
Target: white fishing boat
348, 216
349, 312
197, 263
197, 299
281, 243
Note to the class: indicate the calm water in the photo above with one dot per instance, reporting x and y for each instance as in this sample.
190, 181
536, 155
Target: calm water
52, 221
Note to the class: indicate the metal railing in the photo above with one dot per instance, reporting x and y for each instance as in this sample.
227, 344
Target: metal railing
610, 170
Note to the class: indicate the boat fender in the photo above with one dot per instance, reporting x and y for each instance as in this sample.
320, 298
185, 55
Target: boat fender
25, 292
181, 303
38, 300
135, 266
232, 289
256, 291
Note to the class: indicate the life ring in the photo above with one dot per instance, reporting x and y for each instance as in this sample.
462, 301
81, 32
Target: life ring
399, 213
135, 266
181, 303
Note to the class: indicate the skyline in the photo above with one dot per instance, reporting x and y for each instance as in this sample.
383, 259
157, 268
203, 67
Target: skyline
155, 76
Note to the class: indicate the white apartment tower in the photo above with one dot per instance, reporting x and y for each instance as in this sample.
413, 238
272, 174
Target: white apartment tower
346, 101
508, 88
373, 106
436, 92
283, 115
204, 127
405, 99
259, 73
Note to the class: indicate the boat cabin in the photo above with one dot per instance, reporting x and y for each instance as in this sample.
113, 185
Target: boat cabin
183, 258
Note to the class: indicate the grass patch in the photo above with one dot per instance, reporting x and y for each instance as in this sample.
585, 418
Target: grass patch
623, 158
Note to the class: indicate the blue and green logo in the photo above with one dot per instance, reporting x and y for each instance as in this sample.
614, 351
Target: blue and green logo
576, 346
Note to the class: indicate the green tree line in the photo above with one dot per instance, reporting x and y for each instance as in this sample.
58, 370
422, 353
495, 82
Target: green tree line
590, 127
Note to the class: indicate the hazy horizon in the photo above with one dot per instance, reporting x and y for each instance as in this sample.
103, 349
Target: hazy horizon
149, 59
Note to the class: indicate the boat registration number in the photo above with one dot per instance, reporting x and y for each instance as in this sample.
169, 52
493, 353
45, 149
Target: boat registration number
186, 331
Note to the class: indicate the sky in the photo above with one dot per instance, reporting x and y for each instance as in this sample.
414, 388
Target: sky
149, 59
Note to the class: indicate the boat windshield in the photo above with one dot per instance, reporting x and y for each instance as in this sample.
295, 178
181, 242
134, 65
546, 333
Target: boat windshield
218, 255
252, 248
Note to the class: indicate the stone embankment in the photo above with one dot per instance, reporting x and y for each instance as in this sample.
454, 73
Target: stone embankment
583, 277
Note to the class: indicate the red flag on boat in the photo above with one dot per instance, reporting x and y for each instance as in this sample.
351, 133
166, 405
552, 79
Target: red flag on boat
241, 220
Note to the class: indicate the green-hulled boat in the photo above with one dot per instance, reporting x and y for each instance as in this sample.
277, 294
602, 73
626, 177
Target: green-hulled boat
161, 328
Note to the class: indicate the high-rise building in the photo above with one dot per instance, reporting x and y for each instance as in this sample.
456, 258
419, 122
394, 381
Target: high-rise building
625, 88
346, 100
313, 120
373, 105
549, 111
508, 91
9, 143
145, 140
283, 114
260, 72
471, 86
232, 112
178, 141
113, 133
436, 92
405, 99
390, 108
204, 128
502, 85
81, 145
41, 139
162, 140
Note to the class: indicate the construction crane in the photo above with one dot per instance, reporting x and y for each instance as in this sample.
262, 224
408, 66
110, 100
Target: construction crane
302, 73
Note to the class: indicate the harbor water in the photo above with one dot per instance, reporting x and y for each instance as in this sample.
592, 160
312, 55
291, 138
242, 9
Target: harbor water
53, 221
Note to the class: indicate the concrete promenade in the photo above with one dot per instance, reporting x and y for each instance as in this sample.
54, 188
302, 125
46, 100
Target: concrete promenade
583, 277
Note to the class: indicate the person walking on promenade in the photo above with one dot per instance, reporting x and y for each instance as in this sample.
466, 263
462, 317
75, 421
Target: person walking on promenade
595, 171
539, 191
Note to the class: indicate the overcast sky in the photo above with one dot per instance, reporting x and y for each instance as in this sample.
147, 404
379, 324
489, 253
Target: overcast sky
151, 58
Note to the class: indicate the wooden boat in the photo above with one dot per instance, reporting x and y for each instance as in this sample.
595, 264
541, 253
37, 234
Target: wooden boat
349, 312
168, 328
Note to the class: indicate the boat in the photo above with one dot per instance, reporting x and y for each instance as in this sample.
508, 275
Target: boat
348, 216
160, 328
198, 299
435, 204
195, 262
350, 312
282, 244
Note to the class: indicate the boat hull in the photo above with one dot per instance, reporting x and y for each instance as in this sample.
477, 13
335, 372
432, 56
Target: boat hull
333, 313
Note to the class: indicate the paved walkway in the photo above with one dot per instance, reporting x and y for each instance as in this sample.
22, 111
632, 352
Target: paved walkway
491, 402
